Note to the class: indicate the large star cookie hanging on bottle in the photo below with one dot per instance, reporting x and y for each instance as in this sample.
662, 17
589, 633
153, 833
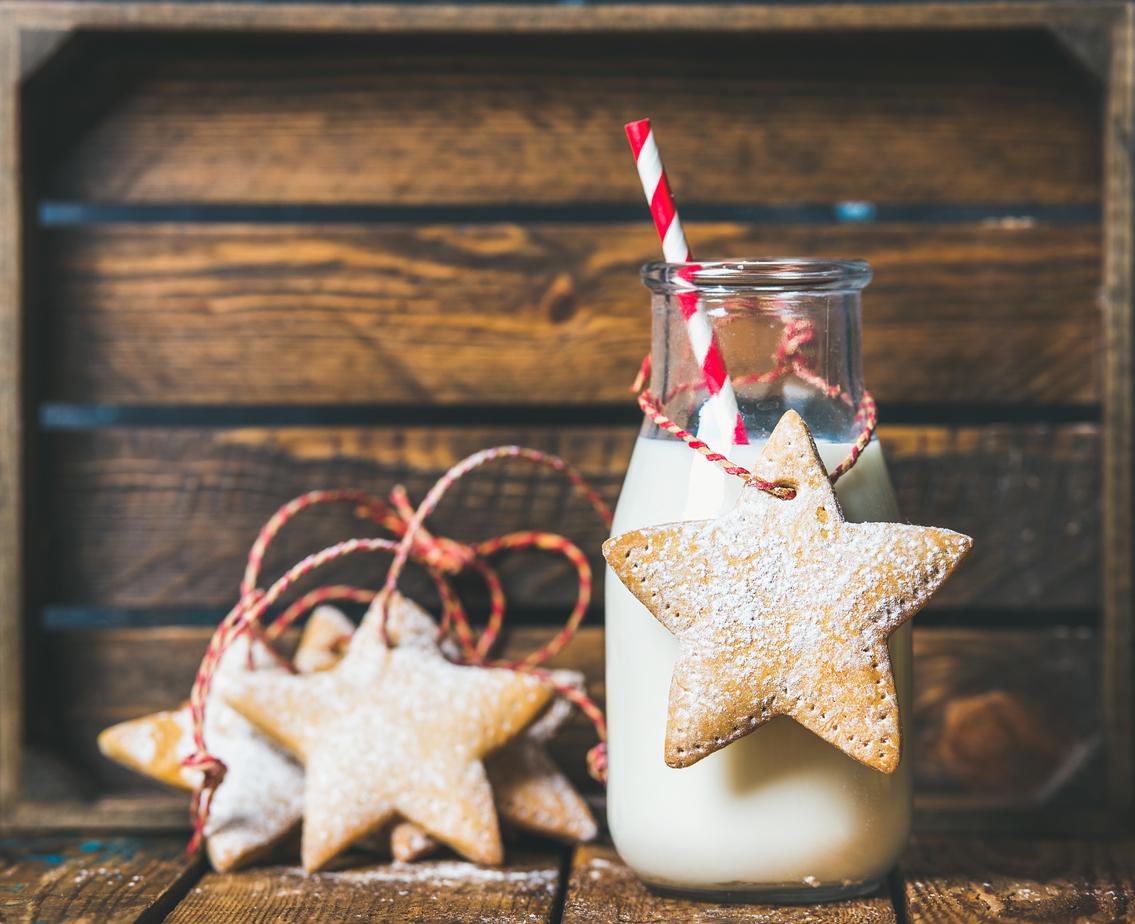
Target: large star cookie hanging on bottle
392, 732
781, 607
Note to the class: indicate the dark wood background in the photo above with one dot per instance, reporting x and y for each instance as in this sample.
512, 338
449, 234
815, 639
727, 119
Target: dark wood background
264, 265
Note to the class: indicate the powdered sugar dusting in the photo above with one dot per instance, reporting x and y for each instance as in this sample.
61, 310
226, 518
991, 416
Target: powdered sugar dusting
398, 730
441, 873
782, 608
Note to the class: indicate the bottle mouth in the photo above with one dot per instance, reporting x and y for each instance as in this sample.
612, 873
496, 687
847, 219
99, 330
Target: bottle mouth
787, 274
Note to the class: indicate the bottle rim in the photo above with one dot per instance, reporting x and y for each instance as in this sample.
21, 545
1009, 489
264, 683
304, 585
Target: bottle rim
780, 274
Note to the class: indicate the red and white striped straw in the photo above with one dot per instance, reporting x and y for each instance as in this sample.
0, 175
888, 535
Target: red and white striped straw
722, 400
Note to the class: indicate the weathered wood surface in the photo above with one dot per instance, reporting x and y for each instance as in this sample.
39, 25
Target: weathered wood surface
1029, 495
1118, 395
1001, 718
116, 880
165, 518
948, 117
523, 890
554, 314
990, 879
603, 890
1006, 717
538, 19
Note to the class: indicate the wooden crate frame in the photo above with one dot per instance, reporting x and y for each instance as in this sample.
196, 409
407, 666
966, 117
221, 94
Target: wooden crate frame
1102, 33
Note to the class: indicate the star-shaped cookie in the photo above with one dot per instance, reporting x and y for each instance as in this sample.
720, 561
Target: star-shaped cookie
781, 607
392, 731
259, 802
529, 790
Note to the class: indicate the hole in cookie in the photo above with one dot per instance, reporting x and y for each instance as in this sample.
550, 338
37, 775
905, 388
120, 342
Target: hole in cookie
628, 553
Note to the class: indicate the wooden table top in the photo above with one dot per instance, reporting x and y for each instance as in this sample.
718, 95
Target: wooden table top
144, 880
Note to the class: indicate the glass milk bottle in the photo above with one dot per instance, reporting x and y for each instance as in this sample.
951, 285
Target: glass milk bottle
779, 815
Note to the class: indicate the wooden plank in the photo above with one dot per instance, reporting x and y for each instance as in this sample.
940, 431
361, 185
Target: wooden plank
118, 880
1000, 879
553, 314
165, 517
524, 889
1119, 416
603, 890
1030, 497
1006, 719
931, 117
538, 18
12, 420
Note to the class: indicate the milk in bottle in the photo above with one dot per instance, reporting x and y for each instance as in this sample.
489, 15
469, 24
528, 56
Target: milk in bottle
779, 814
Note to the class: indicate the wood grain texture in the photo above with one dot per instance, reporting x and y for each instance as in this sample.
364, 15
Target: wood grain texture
12, 432
524, 889
525, 19
947, 117
165, 518
117, 880
603, 890
1029, 495
1006, 718
1119, 413
1002, 880
555, 314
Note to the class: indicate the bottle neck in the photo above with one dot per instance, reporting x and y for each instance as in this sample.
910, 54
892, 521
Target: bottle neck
797, 349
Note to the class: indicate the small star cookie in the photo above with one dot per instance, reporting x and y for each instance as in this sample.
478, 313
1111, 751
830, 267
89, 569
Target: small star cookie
325, 639
781, 607
392, 731
259, 802
529, 790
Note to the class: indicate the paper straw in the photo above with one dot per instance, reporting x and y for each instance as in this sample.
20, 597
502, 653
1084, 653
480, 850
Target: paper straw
722, 401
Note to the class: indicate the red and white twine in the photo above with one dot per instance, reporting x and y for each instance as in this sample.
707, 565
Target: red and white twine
442, 558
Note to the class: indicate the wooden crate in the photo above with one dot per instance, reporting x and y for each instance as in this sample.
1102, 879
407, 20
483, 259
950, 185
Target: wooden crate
252, 249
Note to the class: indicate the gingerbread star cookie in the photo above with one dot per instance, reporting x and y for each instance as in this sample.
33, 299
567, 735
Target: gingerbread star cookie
324, 641
259, 802
392, 731
529, 790
781, 607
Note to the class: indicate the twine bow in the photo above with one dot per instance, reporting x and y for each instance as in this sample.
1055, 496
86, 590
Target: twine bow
442, 558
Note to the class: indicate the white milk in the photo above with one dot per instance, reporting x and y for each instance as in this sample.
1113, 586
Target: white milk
780, 809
